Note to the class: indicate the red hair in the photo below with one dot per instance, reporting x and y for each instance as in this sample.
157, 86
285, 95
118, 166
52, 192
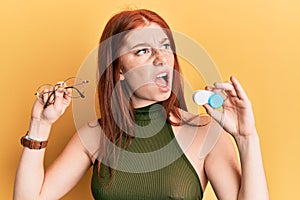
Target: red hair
115, 123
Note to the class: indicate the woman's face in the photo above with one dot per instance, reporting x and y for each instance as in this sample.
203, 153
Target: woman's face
147, 65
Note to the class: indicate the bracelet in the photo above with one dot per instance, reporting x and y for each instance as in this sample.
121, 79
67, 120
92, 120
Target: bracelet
30, 143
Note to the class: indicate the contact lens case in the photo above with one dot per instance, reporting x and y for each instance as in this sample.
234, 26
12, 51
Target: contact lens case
202, 97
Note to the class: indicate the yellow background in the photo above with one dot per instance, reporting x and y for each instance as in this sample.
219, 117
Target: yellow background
256, 40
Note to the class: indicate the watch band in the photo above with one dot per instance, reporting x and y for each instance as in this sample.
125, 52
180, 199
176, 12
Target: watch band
33, 144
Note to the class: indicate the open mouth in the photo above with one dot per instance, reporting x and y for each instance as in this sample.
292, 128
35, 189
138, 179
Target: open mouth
162, 79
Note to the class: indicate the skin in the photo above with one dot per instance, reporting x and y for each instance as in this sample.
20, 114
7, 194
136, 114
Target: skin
146, 52
230, 178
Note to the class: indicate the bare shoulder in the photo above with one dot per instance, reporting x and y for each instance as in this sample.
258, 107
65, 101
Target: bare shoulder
192, 131
190, 119
225, 146
206, 135
223, 151
195, 119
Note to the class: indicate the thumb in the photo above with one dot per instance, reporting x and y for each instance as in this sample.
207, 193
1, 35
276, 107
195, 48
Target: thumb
215, 114
37, 109
58, 103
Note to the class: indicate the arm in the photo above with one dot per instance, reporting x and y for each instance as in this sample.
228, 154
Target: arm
237, 119
223, 169
254, 183
32, 181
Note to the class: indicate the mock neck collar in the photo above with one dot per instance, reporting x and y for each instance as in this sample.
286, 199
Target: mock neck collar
151, 112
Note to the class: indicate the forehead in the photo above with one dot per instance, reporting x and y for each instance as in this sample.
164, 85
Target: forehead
151, 35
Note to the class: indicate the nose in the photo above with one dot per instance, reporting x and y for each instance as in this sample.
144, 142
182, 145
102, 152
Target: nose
159, 58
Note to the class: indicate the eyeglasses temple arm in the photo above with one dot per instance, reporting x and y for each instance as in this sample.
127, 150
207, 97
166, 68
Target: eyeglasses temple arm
47, 102
80, 93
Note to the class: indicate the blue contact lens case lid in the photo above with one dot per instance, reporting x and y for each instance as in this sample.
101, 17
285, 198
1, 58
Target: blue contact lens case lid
215, 101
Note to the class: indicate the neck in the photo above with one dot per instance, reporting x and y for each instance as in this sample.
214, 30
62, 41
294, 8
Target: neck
143, 103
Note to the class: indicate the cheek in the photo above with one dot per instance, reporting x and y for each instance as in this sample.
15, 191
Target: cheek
131, 62
171, 60
136, 70
138, 77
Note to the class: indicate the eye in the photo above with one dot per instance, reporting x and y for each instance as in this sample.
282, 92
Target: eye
143, 51
166, 46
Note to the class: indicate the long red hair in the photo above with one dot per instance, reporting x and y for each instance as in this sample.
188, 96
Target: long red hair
115, 122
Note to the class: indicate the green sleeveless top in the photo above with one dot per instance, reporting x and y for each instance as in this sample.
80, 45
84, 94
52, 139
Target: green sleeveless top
152, 167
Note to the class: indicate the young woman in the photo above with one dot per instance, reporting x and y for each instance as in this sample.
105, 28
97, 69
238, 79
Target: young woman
138, 147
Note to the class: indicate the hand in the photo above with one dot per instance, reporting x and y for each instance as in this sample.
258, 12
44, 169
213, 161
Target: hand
237, 116
49, 114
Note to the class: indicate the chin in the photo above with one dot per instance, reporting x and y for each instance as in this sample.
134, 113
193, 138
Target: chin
163, 96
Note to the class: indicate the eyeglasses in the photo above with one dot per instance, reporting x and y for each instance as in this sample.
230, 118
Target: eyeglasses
46, 93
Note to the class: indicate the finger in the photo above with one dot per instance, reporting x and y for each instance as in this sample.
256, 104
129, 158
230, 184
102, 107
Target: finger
47, 97
59, 97
227, 87
68, 93
217, 91
37, 109
213, 89
67, 97
214, 113
38, 103
44, 95
51, 98
39, 97
209, 88
238, 88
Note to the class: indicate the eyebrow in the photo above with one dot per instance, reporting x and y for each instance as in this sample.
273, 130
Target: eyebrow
147, 44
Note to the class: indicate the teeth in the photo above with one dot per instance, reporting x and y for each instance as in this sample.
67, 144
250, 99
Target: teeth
161, 75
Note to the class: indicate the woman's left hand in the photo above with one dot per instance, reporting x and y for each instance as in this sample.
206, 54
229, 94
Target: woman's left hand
237, 116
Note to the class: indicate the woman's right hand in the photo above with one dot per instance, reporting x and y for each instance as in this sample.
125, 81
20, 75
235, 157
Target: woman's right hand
54, 110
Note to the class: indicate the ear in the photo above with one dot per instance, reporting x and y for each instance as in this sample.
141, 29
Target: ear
122, 77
